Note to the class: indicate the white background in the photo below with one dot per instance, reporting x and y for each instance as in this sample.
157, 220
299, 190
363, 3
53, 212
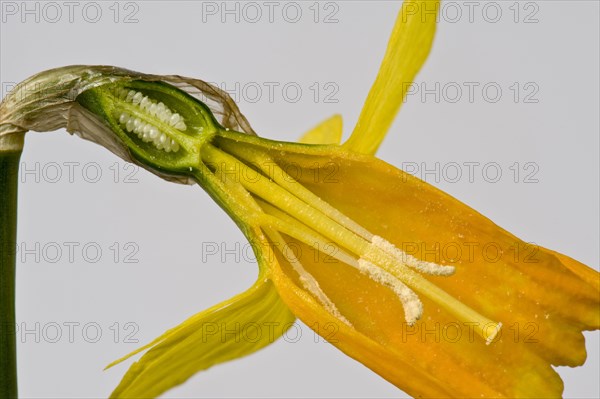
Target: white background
167, 223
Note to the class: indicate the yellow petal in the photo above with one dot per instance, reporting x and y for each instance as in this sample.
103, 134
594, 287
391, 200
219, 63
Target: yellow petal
543, 301
585, 273
227, 331
327, 132
384, 360
407, 50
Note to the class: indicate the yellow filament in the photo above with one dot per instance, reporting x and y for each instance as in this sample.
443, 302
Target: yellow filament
315, 219
308, 281
281, 177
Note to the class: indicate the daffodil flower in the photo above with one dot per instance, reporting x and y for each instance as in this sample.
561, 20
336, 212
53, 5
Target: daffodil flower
341, 237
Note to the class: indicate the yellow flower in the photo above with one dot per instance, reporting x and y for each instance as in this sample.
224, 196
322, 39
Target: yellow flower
372, 227
343, 239
360, 286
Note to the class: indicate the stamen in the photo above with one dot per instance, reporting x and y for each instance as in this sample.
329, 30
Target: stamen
493, 334
308, 217
308, 281
395, 266
409, 260
251, 211
281, 177
413, 307
292, 227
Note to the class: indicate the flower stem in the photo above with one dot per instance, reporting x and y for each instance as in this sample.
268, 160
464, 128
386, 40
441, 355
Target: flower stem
9, 171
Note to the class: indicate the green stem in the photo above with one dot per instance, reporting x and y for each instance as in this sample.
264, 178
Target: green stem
9, 172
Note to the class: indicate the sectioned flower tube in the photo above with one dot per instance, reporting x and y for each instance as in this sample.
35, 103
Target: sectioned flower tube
504, 319
168, 130
382, 298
